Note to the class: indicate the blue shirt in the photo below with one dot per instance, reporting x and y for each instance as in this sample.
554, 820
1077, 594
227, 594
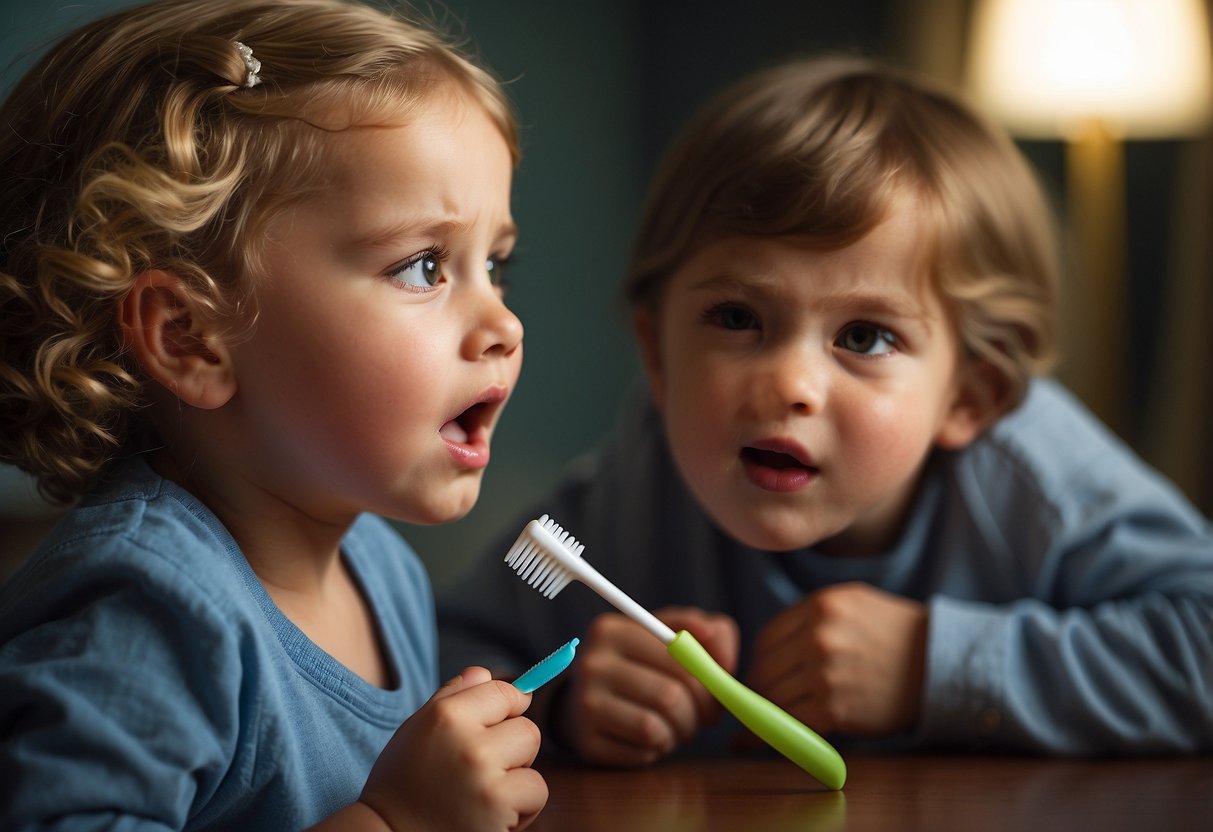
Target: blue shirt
147, 681
1069, 586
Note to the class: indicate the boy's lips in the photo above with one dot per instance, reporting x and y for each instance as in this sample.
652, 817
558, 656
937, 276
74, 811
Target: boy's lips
466, 434
779, 465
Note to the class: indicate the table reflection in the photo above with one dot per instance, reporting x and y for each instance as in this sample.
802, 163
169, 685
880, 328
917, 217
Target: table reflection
903, 792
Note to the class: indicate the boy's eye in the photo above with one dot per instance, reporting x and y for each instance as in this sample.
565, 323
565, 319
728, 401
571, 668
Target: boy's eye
867, 339
731, 316
421, 270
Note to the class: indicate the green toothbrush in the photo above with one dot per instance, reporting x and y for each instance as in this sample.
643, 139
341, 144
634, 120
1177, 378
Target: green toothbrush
548, 558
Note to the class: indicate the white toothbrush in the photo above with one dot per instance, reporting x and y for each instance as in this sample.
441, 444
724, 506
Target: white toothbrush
548, 557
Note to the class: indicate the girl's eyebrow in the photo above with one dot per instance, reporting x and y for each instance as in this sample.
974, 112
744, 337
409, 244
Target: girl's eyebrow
414, 228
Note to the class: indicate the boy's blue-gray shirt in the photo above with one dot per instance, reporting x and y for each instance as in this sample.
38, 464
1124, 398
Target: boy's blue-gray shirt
1070, 587
147, 681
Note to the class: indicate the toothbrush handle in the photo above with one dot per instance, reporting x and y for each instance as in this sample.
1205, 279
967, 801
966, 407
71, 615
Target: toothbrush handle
777, 727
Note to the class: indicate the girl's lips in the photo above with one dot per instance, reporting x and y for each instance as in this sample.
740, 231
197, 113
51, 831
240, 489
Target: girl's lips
778, 465
467, 434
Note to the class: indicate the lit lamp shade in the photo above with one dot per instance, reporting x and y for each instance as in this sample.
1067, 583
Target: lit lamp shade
1044, 68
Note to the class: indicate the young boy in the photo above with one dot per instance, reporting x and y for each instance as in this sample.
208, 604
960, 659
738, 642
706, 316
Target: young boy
851, 480
249, 293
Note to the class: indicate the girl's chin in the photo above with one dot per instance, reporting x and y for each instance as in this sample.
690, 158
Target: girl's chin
437, 515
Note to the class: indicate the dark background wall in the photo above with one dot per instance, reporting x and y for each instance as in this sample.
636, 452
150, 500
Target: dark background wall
600, 88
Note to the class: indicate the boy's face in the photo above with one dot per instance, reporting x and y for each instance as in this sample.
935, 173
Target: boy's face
802, 389
383, 353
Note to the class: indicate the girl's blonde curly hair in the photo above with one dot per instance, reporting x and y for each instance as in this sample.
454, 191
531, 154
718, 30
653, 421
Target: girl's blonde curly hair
136, 144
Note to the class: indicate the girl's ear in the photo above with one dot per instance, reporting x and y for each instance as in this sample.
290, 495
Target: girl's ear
645, 326
170, 339
983, 395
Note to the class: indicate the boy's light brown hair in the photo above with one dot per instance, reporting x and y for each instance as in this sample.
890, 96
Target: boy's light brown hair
821, 149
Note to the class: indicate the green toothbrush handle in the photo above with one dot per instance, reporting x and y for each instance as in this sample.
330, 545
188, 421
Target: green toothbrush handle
782, 731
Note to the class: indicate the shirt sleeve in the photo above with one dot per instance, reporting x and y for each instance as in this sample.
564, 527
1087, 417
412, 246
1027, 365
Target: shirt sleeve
1124, 677
1104, 643
110, 715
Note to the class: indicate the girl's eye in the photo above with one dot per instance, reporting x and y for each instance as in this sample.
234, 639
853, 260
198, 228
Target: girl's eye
731, 316
496, 267
422, 270
867, 339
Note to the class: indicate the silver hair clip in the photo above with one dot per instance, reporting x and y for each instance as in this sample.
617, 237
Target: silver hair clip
251, 64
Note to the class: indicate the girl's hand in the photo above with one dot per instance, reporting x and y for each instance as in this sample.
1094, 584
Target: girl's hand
629, 703
846, 658
461, 762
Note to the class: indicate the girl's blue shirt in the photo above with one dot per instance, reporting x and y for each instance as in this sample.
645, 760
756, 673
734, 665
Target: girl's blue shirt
147, 680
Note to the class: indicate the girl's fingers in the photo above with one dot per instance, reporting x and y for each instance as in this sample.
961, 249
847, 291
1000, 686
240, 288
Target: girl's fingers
468, 677
515, 742
529, 793
476, 708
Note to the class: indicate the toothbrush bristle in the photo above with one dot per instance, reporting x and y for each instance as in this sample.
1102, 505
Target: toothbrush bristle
536, 564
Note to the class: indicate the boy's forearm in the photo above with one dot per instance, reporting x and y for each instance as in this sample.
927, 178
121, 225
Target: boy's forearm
1123, 677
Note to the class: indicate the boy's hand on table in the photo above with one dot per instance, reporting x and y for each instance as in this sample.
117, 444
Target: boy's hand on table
629, 703
461, 762
847, 658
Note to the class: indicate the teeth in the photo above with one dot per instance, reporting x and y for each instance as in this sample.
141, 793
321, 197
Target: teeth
452, 431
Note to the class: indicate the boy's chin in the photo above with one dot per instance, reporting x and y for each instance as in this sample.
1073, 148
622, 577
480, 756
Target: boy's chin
767, 537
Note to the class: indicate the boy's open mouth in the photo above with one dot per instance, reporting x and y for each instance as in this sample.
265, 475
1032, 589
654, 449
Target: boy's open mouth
774, 459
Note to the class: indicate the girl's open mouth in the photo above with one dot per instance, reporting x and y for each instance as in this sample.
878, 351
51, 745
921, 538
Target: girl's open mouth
467, 424
467, 434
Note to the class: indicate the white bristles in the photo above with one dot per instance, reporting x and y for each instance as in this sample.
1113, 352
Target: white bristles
539, 565
548, 558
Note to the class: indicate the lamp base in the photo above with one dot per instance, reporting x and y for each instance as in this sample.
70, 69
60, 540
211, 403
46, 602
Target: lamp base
1096, 327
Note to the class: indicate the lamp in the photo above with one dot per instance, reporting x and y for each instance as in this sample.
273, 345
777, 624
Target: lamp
1095, 72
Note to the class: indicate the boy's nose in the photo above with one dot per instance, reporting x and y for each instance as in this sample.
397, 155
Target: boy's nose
794, 378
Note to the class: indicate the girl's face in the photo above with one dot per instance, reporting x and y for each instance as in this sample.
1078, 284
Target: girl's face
383, 352
802, 389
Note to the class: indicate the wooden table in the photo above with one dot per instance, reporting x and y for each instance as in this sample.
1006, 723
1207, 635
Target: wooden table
904, 793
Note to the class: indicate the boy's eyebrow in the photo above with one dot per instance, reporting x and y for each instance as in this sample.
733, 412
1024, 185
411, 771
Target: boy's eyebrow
898, 304
891, 304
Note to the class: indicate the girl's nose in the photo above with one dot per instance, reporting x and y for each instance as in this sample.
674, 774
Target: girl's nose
497, 330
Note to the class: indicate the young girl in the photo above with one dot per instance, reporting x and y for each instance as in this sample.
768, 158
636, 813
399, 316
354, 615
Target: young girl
249, 291
853, 483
